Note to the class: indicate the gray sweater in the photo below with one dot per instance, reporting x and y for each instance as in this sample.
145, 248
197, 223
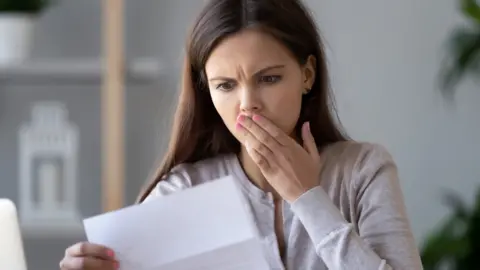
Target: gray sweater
355, 219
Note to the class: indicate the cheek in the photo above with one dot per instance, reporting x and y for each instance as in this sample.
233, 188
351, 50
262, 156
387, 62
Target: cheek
285, 103
288, 112
226, 106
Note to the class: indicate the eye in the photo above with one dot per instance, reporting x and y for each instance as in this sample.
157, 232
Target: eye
271, 79
226, 86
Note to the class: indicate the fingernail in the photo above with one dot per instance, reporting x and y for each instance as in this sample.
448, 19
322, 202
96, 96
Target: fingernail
256, 117
241, 118
116, 265
110, 253
308, 126
238, 126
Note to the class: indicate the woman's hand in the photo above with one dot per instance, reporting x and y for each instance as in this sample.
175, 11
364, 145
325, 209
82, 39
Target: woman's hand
88, 256
288, 167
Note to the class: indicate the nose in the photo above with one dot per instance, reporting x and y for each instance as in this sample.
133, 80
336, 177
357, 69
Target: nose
249, 101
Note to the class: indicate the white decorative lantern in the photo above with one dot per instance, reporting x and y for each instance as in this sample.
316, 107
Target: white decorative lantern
48, 170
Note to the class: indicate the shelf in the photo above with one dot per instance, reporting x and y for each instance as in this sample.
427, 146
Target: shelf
60, 230
139, 70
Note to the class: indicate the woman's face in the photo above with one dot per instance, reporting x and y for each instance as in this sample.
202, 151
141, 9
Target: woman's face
252, 73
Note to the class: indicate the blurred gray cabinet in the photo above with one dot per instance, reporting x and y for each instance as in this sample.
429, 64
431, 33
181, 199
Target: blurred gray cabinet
70, 89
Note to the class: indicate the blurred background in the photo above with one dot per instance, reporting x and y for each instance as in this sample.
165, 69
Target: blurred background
386, 60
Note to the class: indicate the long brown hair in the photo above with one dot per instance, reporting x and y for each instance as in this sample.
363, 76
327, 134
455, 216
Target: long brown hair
198, 131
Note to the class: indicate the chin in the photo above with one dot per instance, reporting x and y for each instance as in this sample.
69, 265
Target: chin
236, 135
288, 129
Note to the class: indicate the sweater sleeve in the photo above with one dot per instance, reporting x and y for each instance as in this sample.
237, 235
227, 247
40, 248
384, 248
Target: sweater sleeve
384, 240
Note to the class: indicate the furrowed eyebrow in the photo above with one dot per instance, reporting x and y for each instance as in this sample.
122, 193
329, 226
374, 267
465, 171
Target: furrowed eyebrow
263, 70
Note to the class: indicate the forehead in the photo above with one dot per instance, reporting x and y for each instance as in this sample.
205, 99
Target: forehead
249, 50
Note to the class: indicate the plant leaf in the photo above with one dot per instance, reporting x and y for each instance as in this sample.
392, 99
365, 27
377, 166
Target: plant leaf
444, 244
452, 242
24, 6
471, 9
473, 234
464, 48
457, 205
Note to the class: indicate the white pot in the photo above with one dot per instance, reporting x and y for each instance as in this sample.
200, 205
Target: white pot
16, 31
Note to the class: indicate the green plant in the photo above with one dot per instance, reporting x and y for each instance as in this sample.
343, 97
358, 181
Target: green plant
24, 6
464, 48
456, 243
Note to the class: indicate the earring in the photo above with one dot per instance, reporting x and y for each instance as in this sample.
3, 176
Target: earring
306, 91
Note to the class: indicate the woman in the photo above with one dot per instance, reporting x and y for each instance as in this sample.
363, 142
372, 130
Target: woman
255, 104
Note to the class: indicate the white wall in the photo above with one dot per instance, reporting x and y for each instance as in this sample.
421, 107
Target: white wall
385, 57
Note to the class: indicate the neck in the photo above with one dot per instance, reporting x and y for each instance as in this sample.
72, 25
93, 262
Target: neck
254, 173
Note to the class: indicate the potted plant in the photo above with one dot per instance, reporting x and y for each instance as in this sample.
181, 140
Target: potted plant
17, 20
455, 244
463, 48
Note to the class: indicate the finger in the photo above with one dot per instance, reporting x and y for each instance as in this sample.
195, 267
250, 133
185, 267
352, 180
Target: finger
262, 162
85, 263
259, 133
260, 148
274, 131
251, 142
309, 142
83, 249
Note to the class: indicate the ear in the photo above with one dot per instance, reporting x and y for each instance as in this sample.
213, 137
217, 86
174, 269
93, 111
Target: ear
309, 71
